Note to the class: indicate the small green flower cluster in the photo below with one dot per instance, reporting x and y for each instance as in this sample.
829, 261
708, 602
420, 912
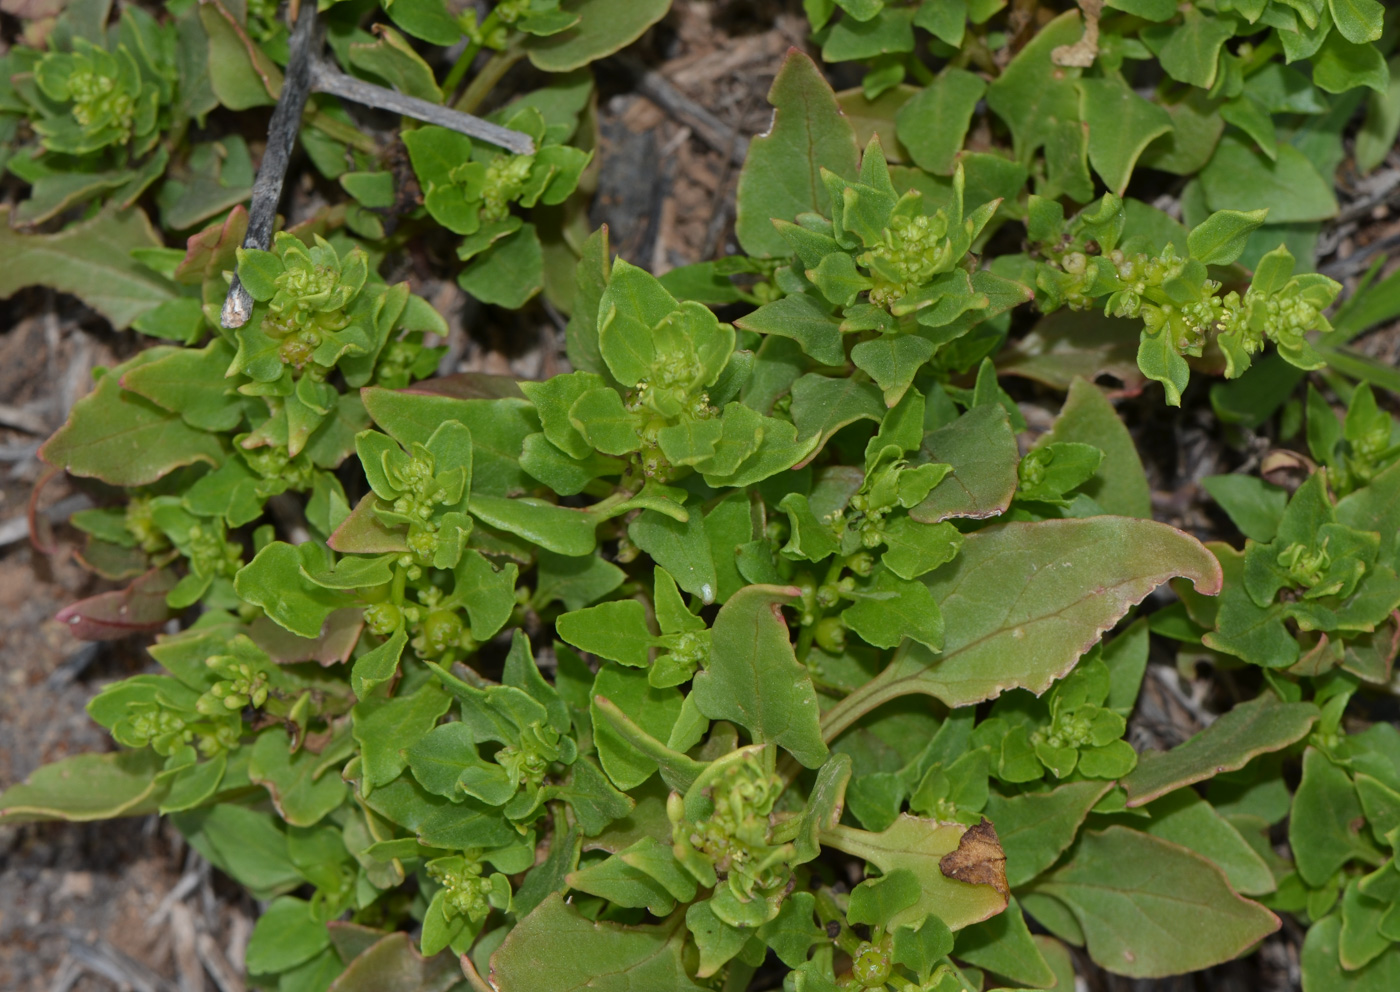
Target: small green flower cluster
732, 847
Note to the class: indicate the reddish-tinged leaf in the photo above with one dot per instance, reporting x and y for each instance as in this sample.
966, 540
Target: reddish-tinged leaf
338, 638
86, 787
393, 964
91, 259
211, 251
1076, 344
138, 608
466, 386
1261, 725
782, 175
1022, 602
1150, 908
124, 439
364, 533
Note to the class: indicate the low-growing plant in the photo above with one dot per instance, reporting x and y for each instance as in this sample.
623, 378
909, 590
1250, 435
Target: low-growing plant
769, 646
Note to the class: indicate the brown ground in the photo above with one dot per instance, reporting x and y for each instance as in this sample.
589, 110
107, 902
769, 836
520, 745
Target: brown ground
126, 904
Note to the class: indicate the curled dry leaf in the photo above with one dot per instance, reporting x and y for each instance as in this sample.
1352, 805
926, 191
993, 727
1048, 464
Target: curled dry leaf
979, 859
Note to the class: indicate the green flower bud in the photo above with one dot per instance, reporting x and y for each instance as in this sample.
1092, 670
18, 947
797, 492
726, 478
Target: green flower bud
831, 635
871, 964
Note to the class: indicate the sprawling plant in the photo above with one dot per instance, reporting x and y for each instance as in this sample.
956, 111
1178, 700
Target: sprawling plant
769, 646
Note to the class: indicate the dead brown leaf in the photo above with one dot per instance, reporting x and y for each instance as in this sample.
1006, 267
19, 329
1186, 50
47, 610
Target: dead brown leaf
979, 859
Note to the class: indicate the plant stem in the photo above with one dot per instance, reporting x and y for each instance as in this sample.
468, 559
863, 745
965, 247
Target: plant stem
485, 81
468, 56
876, 692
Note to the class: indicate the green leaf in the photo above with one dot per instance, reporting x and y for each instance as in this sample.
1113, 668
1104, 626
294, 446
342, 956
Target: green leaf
489, 594
553, 399
1323, 830
1359, 21
249, 846
1221, 237
1323, 971
1382, 124
286, 934
1003, 945
92, 260
893, 360
625, 884
302, 788
754, 678
1037, 827
1023, 601
889, 31
386, 728
933, 124
792, 932
393, 60
1363, 924
557, 949
426, 19
191, 382
877, 901
1184, 818
1119, 485
1253, 505
1262, 725
509, 272
575, 581
1241, 178
920, 950
1150, 909
810, 539
678, 771
805, 320
1340, 65
599, 416
1034, 96
1121, 125
273, 580
913, 549
681, 548
981, 447
616, 631
438, 822
893, 609
560, 529
781, 175
1190, 51
393, 964
716, 941
602, 28
920, 846
653, 710
240, 73
124, 439
86, 787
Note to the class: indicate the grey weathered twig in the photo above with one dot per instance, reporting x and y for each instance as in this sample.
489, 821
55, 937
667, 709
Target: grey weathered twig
272, 171
307, 71
713, 131
325, 78
103, 959
1345, 267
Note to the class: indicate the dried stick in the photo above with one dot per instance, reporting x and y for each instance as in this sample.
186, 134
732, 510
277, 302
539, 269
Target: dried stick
662, 92
325, 78
272, 171
307, 71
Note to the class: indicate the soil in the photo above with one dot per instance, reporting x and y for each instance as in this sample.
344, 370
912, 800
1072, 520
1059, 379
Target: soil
126, 904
